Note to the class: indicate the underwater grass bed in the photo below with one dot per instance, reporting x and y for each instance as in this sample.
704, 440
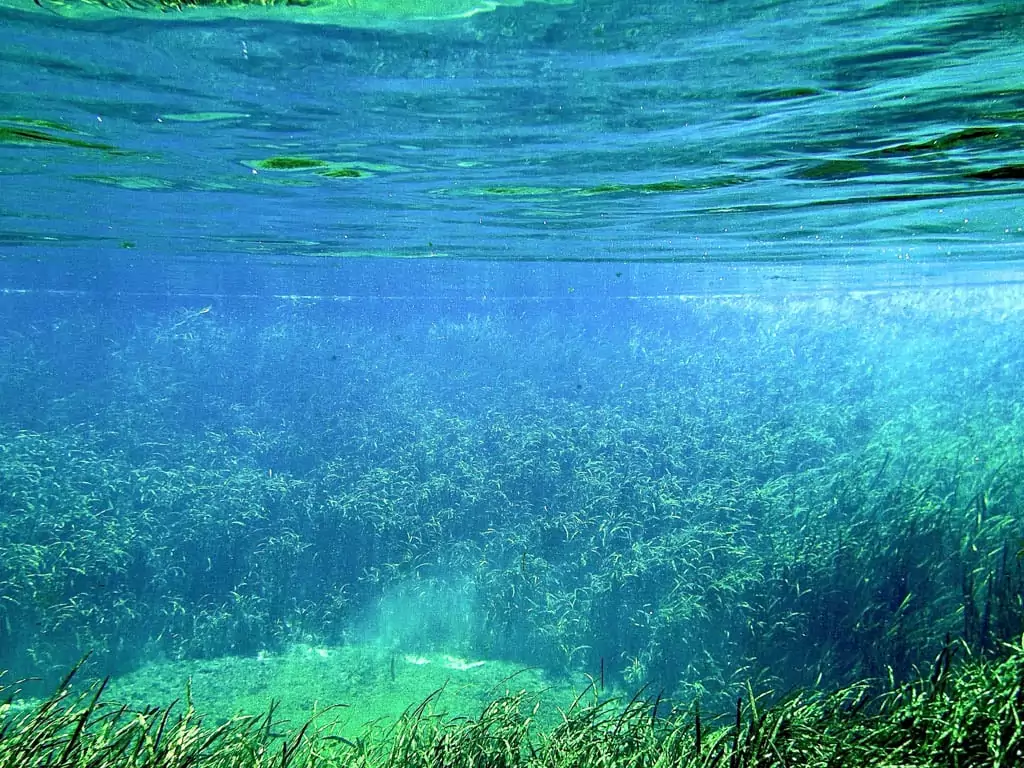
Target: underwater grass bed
358, 684
966, 713
727, 491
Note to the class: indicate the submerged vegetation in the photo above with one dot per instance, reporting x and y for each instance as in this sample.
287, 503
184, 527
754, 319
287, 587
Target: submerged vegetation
963, 716
715, 499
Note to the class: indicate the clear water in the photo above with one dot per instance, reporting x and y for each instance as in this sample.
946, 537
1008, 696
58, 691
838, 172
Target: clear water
552, 270
734, 133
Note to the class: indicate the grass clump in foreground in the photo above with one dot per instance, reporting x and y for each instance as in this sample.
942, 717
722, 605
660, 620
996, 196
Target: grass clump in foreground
966, 714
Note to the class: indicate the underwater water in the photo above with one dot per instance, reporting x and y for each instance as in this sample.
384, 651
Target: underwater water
350, 352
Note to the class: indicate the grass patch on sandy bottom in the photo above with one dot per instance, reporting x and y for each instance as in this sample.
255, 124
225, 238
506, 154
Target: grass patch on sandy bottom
959, 714
346, 689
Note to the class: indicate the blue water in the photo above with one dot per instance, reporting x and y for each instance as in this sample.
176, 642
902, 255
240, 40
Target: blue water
821, 134
360, 297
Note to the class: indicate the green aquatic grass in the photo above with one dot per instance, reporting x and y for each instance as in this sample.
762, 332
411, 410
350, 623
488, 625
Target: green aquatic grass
958, 714
654, 506
77, 730
367, 683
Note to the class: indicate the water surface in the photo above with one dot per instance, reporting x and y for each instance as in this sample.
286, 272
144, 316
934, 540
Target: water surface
726, 132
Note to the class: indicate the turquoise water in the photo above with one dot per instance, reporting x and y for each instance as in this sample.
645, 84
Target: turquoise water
671, 344
736, 132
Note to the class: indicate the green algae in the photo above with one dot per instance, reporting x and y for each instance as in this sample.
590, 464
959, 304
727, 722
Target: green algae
662, 187
343, 173
832, 170
947, 141
784, 94
29, 136
287, 164
36, 122
326, 168
1013, 172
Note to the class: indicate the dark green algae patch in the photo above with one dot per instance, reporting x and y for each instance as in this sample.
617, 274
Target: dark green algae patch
783, 94
662, 187
833, 170
326, 168
964, 137
21, 131
1014, 172
289, 164
973, 139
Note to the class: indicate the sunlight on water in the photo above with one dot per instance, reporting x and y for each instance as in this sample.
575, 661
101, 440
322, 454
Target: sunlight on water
709, 132
369, 13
